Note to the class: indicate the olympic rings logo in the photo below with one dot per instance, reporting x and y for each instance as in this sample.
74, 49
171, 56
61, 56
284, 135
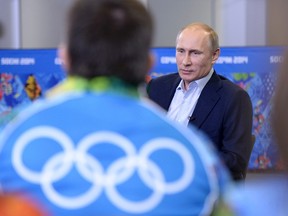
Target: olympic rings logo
92, 171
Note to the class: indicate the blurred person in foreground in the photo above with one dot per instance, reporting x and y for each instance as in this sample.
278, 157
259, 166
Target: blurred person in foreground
196, 95
15, 205
267, 194
96, 145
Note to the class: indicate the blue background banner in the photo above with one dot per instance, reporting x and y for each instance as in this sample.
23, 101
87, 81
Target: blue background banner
27, 74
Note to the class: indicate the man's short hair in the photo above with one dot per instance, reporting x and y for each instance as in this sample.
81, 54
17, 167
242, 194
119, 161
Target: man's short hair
109, 38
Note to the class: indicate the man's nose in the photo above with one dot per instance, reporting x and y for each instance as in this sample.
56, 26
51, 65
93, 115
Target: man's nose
187, 60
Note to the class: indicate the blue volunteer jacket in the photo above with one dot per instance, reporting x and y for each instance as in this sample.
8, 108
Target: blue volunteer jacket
98, 148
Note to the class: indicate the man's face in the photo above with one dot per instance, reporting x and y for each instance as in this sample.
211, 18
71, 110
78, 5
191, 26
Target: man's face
194, 56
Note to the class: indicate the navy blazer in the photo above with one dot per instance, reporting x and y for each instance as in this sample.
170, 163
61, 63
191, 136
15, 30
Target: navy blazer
223, 111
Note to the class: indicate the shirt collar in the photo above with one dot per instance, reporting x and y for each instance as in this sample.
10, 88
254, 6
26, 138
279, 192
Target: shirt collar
200, 82
203, 81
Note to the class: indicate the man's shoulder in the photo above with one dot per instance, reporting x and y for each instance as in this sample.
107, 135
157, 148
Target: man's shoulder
228, 84
231, 90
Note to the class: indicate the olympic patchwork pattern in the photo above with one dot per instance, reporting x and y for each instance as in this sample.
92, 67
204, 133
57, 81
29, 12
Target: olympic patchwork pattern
60, 164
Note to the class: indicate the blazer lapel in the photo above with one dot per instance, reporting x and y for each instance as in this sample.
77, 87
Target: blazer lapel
170, 86
207, 100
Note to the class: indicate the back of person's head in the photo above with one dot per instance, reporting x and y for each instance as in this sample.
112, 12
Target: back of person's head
109, 38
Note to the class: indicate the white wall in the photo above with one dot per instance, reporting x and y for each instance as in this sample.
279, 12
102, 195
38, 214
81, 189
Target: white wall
41, 23
238, 22
9, 23
170, 16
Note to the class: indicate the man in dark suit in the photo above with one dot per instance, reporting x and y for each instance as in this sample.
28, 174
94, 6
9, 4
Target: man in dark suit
198, 96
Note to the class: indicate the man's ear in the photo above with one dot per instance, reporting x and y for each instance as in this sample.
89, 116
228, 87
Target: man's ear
150, 64
151, 61
215, 55
64, 57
